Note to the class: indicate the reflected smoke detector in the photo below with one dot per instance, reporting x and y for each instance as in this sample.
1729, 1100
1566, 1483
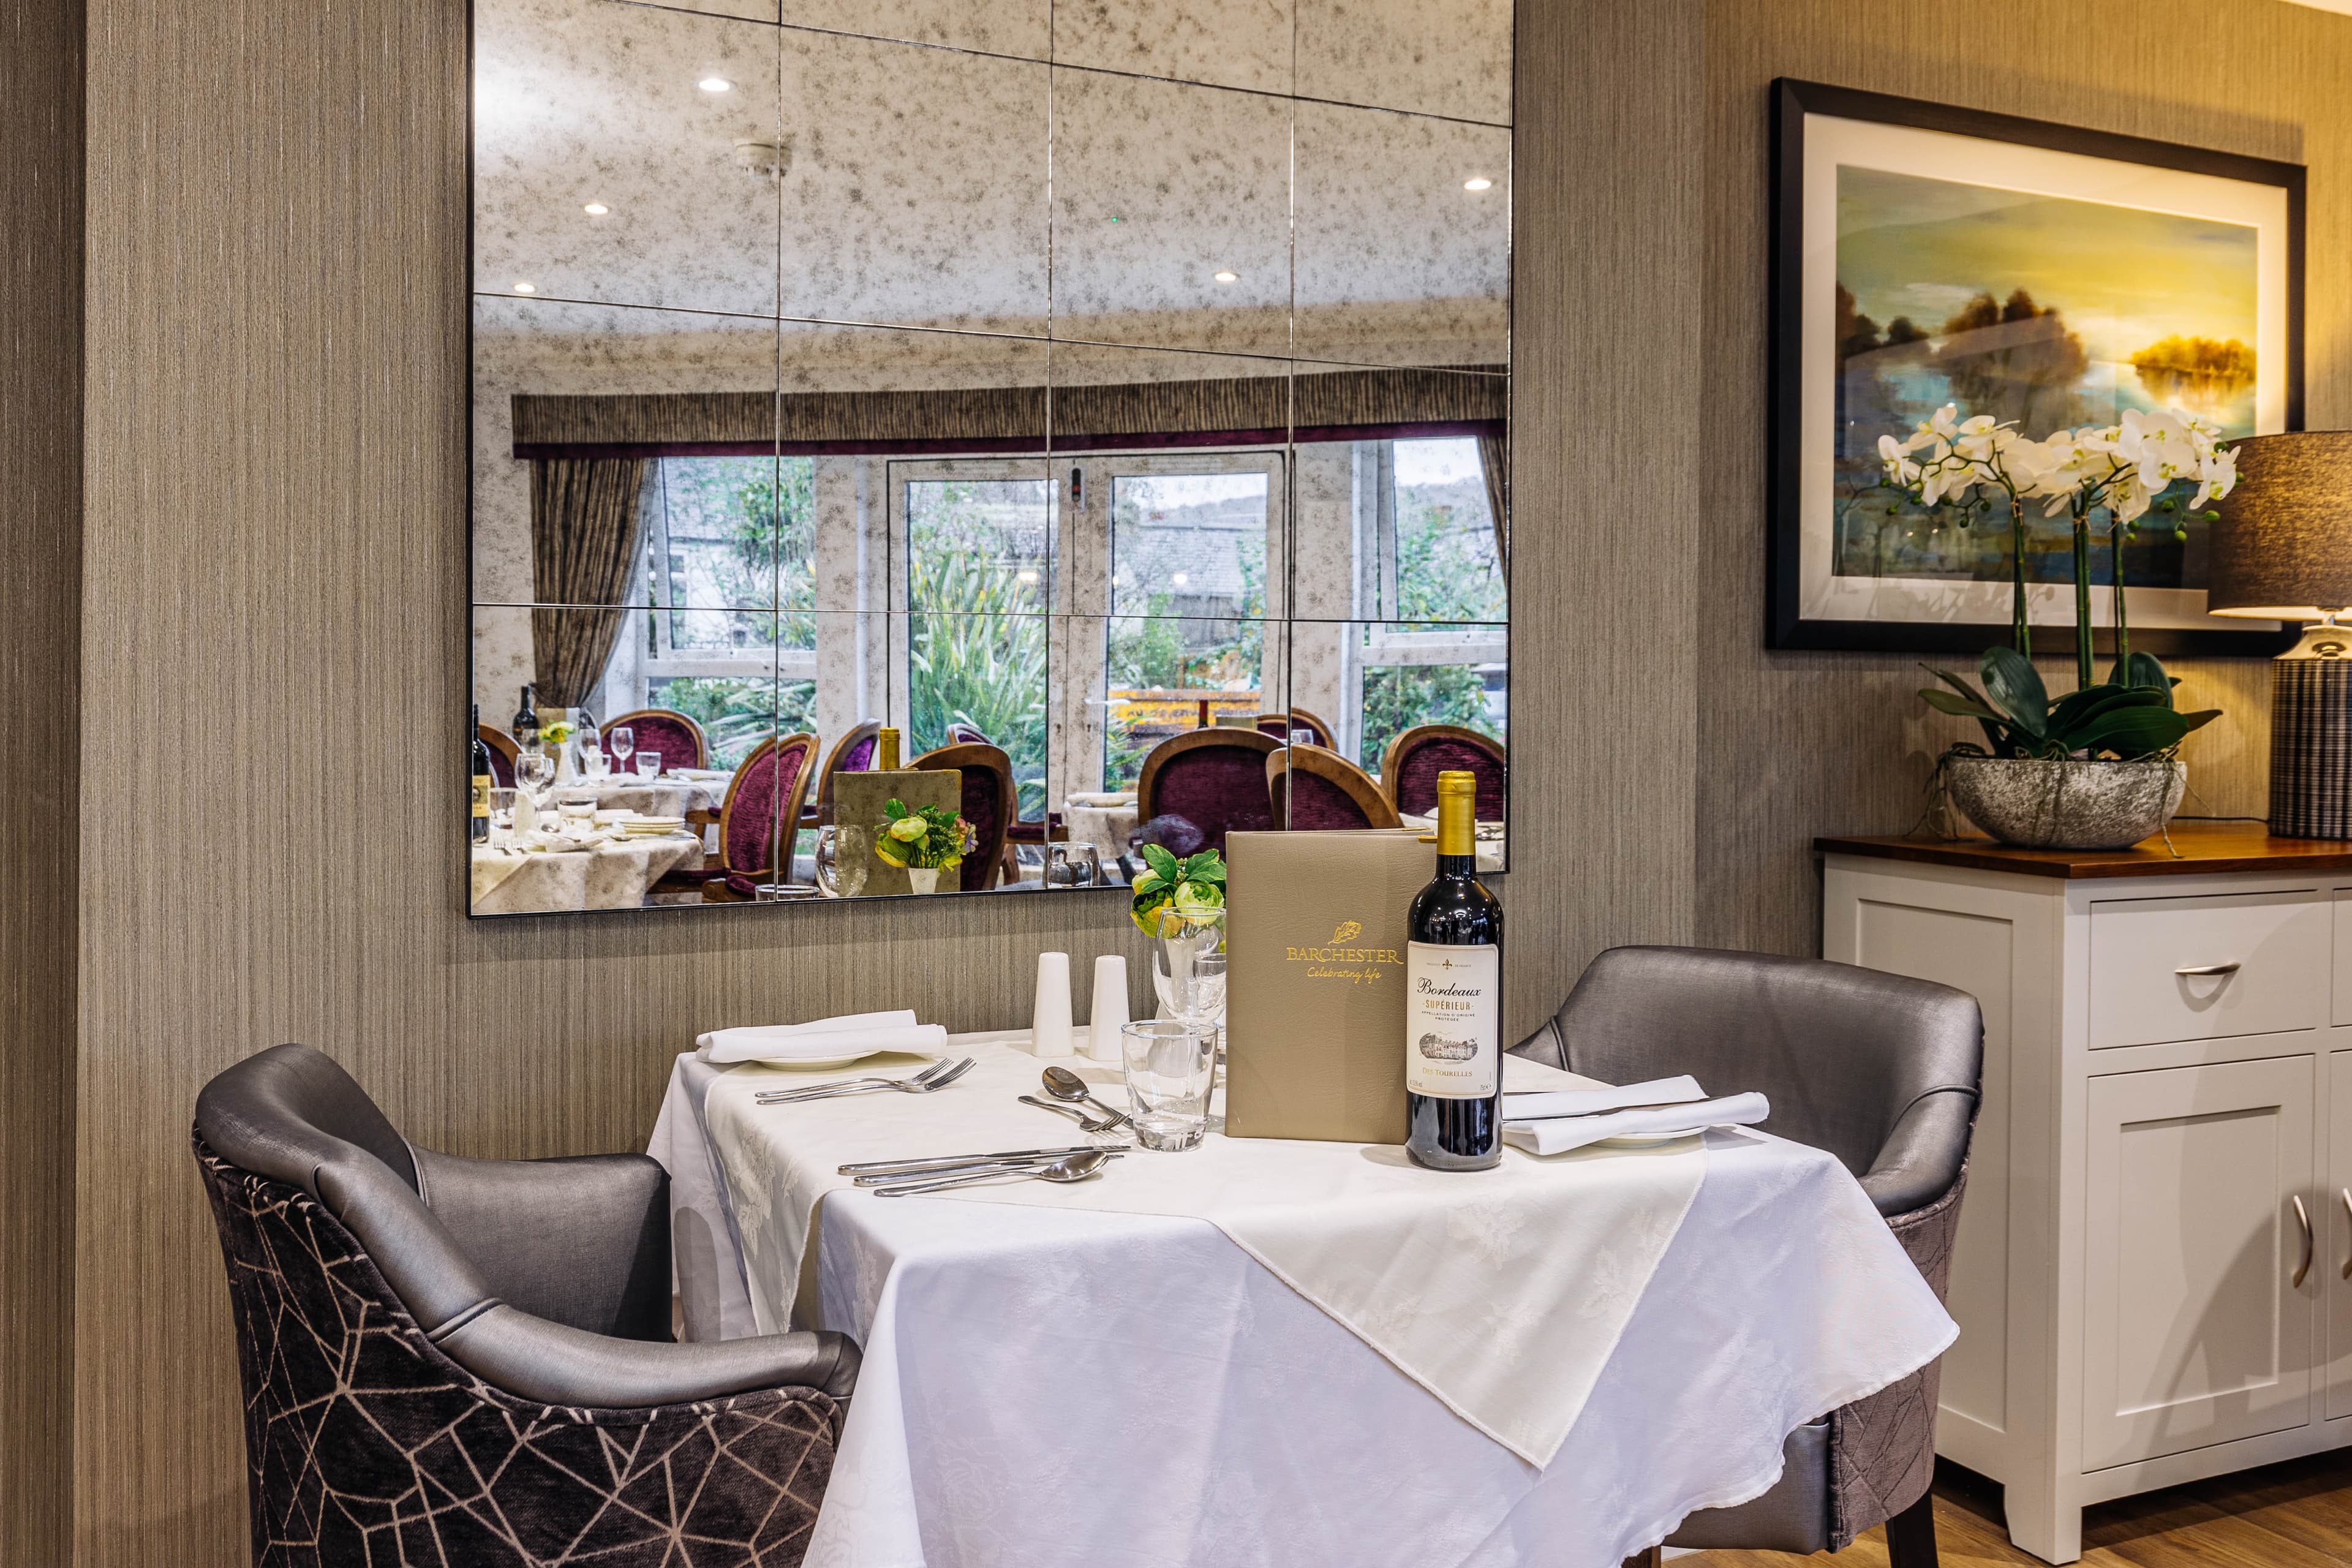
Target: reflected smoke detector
764, 159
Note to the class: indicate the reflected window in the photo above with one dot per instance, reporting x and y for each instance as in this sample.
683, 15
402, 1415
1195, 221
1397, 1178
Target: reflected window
737, 712
978, 556
1439, 654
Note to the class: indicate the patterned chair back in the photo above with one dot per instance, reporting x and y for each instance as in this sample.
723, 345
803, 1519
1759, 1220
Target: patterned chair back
1316, 791
1213, 779
762, 813
1409, 767
987, 803
963, 734
853, 753
678, 738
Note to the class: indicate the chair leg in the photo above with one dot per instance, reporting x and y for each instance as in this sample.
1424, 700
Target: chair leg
1911, 1534
1648, 1557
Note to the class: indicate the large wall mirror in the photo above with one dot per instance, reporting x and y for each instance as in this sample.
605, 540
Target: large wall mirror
1111, 399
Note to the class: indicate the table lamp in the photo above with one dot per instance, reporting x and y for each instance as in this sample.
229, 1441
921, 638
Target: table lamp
2283, 552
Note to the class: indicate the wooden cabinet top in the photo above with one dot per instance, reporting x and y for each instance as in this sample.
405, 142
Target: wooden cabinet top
2204, 848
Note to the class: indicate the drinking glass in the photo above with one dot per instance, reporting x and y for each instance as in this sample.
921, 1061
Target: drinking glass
1074, 866
840, 858
534, 771
595, 763
624, 740
1188, 966
1170, 1066
649, 765
502, 808
579, 809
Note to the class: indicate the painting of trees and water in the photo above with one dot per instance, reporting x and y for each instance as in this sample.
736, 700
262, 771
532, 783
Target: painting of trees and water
2051, 311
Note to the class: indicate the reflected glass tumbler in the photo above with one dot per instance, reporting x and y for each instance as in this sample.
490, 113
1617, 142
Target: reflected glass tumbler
649, 765
1170, 1065
841, 861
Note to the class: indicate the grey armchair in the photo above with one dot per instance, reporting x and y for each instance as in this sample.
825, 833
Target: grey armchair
469, 1360
1880, 1071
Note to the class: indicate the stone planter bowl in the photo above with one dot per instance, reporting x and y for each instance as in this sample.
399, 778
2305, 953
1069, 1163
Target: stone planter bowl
2070, 804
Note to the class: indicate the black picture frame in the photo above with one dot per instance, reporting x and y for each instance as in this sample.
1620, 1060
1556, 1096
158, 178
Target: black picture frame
1791, 102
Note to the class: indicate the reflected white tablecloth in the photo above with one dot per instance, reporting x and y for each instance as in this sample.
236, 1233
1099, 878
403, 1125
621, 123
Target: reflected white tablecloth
1104, 826
1045, 1386
665, 796
614, 875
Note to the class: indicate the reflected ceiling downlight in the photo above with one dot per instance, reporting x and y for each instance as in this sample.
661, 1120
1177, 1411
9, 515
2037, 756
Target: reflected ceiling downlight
1477, 182
526, 288
595, 209
715, 84
1228, 276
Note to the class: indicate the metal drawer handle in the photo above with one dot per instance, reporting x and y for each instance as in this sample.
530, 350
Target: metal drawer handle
2301, 1218
2229, 968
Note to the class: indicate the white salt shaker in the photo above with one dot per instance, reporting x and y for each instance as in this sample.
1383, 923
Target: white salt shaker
1049, 1017
1109, 1008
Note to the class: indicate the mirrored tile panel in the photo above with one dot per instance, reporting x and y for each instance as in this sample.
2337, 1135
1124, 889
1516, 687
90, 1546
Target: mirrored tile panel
1404, 517
1172, 215
1219, 43
1404, 239
1452, 59
1018, 27
625, 154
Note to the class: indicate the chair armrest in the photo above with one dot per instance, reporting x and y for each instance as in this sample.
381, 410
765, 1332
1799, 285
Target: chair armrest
583, 1242
1923, 1157
535, 1359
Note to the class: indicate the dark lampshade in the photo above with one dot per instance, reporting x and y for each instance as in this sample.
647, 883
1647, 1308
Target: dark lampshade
2283, 550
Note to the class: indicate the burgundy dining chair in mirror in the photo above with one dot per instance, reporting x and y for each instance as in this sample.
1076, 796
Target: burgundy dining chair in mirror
988, 804
762, 799
963, 734
1409, 766
502, 750
1316, 790
673, 736
1212, 779
853, 753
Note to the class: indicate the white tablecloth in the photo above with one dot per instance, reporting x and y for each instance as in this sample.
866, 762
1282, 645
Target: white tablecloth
1047, 1387
613, 876
1104, 826
665, 796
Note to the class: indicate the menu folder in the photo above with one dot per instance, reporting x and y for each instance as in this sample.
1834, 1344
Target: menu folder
1314, 932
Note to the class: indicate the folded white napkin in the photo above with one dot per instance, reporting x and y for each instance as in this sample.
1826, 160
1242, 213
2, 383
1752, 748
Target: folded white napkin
1559, 1134
894, 1031
1530, 1107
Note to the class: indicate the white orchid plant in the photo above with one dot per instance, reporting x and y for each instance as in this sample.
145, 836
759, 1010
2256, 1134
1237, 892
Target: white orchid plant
2126, 468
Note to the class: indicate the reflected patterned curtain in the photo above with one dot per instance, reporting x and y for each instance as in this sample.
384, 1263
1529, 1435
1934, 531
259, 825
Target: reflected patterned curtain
584, 527
1495, 457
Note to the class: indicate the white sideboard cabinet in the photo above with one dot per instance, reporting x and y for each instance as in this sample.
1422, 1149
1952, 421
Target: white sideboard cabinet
2153, 1277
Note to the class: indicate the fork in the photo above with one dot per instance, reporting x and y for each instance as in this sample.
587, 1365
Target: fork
839, 1085
919, 1084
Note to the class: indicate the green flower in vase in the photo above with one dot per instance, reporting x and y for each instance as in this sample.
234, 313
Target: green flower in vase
1193, 889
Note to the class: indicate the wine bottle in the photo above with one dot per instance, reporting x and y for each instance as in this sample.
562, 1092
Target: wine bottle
526, 724
1454, 999
886, 751
483, 780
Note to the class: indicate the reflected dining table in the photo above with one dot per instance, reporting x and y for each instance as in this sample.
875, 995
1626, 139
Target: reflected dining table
615, 874
1089, 1374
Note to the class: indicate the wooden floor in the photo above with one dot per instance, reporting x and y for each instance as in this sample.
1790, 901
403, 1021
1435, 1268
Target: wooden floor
2295, 1515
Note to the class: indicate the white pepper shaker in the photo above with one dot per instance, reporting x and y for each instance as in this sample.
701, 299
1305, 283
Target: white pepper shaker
1109, 1014
1049, 1015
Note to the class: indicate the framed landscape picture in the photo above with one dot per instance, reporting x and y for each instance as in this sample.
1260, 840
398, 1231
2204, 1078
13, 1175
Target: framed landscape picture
2052, 277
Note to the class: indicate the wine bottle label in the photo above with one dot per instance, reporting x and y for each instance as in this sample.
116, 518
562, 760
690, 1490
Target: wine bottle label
1452, 1020
481, 795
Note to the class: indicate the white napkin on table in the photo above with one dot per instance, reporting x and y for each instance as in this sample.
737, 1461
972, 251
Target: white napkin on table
1557, 1134
893, 1031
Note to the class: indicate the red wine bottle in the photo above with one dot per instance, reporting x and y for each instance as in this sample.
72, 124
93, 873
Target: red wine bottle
1454, 999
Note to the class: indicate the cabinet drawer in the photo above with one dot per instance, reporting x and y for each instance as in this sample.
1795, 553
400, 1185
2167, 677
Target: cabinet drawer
2264, 958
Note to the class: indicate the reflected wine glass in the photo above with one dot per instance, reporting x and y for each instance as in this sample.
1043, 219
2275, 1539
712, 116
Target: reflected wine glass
534, 771
841, 861
623, 741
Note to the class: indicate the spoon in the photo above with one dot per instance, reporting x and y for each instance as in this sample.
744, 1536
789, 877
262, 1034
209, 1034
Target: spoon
1070, 1168
1065, 1085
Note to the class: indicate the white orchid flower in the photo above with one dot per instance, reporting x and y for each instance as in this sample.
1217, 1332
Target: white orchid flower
1944, 422
2216, 477
1897, 457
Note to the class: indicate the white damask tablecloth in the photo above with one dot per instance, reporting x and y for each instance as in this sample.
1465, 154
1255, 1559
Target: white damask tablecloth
613, 876
1047, 1386
665, 796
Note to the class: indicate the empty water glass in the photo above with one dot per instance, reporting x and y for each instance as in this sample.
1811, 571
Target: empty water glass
579, 809
595, 763
1170, 1066
841, 861
649, 765
502, 810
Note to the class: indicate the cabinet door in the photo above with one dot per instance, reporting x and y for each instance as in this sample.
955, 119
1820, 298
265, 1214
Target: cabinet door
2334, 1265
2194, 1331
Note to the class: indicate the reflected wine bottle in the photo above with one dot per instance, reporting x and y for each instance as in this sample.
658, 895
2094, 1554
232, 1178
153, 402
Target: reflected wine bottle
526, 724
483, 780
1454, 999
886, 751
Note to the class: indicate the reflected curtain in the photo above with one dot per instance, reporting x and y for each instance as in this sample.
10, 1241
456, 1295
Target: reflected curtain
585, 519
1495, 457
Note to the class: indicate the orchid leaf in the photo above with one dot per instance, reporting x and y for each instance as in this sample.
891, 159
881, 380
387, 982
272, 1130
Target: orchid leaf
1959, 685
2131, 732
2016, 689
1957, 707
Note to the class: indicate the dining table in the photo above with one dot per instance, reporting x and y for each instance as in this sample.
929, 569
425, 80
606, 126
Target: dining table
667, 796
1102, 820
608, 873
1275, 1352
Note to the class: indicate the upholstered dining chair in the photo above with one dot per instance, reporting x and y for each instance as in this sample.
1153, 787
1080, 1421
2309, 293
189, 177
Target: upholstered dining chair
1880, 1070
1213, 779
762, 813
502, 748
1315, 790
449, 1360
963, 734
988, 804
1298, 724
853, 753
1409, 766
674, 735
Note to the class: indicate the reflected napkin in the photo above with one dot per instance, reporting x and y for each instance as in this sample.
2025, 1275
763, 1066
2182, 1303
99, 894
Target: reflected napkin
1559, 1134
893, 1031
